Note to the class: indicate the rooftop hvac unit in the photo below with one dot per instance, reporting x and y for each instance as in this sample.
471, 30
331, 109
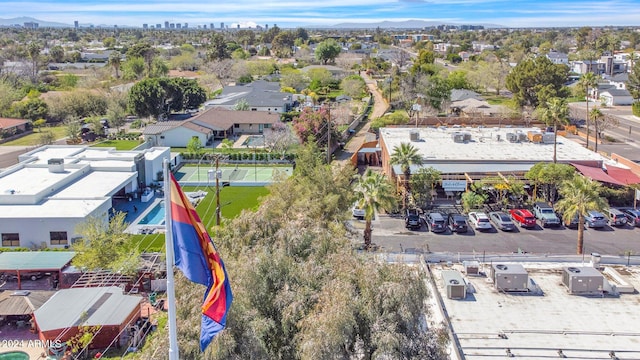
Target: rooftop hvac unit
511, 137
414, 136
467, 136
454, 283
471, 267
522, 137
534, 136
458, 137
583, 280
56, 165
509, 277
548, 138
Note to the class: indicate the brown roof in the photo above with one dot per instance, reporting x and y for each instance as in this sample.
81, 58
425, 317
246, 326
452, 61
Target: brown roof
224, 119
6, 123
24, 302
196, 127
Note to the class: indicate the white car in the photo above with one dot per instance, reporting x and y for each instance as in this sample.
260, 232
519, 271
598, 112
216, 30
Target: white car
479, 221
357, 212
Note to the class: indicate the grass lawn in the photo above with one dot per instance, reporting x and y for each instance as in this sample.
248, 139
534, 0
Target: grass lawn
233, 199
497, 100
33, 139
118, 144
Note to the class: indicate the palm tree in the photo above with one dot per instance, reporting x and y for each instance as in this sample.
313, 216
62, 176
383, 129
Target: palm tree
405, 155
596, 115
115, 60
580, 195
555, 113
588, 80
373, 192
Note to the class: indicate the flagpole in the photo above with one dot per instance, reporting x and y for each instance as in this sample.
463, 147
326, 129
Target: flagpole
171, 295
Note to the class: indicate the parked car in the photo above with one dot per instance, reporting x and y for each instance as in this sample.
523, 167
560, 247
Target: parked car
357, 212
572, 223
436, 222
545, 213
616, 217
412, 219
595, 219
457, 223
479, 221
633, 216
31, 275
502, 221
523, 217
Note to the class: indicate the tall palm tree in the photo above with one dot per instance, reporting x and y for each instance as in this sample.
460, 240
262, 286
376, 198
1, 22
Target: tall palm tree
596, 115
115, 61
555, 113
405, 155
373, 191
588, 80
580, 195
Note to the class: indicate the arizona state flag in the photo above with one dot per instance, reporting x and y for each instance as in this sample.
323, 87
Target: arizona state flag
200, 262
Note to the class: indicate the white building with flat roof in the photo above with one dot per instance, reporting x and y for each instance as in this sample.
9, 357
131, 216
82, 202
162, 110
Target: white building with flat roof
466, 153
54, 188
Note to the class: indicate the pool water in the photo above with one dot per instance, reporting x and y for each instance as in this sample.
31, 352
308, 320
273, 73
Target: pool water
14, 355
155, 216
254, 140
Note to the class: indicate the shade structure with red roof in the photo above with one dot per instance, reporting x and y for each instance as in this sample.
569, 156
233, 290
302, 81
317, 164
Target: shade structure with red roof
613, 175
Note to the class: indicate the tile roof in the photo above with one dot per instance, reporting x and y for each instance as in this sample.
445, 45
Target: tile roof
6, 123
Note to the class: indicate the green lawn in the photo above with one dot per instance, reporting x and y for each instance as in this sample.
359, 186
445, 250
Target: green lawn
232, 201
497, 100
33, 139
118, 144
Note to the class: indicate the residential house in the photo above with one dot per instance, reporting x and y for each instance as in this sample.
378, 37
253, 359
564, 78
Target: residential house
10, 127
585, 66
558, 57
618, 80
614, 97
214, 123
260, 95
479, 47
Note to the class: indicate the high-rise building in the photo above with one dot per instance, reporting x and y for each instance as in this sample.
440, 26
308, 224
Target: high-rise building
178, 26
145, 26
266, 26
186, 25
172, 26
158, 26
221, 26
211, 26
166, 24
76, 25
31, 25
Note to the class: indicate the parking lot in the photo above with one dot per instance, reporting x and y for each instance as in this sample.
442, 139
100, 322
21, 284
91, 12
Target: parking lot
391, 235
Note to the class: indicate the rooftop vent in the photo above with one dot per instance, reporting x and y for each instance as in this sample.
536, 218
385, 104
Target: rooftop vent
414, 136
574, 270
56, 165
501, 267
511, 137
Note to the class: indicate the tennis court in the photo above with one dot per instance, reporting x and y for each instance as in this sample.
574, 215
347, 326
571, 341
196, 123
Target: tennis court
241, 175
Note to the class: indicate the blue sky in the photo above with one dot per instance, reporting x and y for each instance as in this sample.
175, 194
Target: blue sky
293, 13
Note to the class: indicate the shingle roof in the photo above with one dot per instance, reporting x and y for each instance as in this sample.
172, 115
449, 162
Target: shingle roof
86, 307
616, 92
161, 126
223, 119
258, 93
22, 302
6, 123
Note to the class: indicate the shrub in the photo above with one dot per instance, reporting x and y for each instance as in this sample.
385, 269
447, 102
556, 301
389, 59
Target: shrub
636, 108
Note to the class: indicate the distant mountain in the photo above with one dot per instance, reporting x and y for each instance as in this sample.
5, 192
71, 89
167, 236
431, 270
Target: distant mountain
408, 24
24, 19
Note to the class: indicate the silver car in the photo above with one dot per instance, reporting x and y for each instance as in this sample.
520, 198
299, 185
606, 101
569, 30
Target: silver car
595, 219
502, 221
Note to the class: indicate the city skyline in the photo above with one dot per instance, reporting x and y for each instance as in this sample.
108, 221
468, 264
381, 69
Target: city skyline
294, 13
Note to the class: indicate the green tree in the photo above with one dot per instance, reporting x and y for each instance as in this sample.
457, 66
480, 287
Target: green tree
241, 105
588, 81
156, 96
39, 123
535, 81
46, 138
354, 86
105, 245
115, 60
194, 146
596, 114
144, 51
555, 113
73, 130
56, 53
405, 155
327, 51
458, 80
159, 68
218, 49
33, 49
423, 183
133, 68
548, 177
633, 84
580, 195
31, 108
373, 192
473, 200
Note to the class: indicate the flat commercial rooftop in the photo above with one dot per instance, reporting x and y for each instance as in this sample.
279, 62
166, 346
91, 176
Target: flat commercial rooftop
56, 209
96, 184
535, 326
437, 144
32, 180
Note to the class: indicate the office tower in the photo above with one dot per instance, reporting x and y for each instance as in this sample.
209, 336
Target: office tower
186, 25
221, 25
266, 26
76, 25
145, 26
178, 26
211, 26
158, 26
166, 24
172, 26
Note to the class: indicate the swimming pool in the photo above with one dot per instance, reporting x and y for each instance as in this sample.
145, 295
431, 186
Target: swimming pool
14, 355
254, 140
155, 216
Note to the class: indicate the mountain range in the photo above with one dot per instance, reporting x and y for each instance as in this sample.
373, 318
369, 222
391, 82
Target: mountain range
41, 23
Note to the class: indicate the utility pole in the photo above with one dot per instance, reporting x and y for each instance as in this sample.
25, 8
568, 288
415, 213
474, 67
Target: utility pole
329, 135
218, 175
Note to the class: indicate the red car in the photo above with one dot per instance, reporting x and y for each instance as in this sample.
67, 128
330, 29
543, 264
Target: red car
523, 217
